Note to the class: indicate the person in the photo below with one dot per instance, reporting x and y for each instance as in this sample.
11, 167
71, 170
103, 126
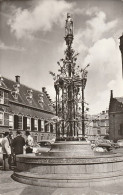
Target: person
10, 138
18, 143
6, 149
29, 142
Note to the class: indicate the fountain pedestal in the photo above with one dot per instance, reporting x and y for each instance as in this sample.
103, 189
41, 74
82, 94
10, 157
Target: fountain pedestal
69, 165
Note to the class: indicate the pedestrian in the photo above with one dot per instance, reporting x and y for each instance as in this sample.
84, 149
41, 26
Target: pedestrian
10, 138
6, 149
18, 143
29, 142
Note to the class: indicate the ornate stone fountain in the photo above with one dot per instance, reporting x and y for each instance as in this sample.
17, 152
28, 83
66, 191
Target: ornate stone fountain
70, 162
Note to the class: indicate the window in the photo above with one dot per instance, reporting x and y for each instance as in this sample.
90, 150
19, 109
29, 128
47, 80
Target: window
51, 128
11, 121
29, 96
28, 123
39, 125
35, 138
32, 124
15, 95
47, 126
42, 125
41, 99
98, 131
24, 123
15, 122
1, 118
1, 97
35, 124
19, 122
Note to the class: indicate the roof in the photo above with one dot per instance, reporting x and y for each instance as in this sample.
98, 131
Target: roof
119, 99
23, 95
101, 116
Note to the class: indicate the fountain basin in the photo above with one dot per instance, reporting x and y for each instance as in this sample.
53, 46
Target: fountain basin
69, 167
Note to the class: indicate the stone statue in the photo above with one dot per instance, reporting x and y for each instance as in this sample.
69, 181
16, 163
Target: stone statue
69, 25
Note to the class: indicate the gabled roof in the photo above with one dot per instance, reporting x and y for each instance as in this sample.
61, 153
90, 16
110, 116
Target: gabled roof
23, 93
119, 99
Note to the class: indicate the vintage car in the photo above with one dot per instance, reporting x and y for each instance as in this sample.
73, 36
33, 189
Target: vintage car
42, 146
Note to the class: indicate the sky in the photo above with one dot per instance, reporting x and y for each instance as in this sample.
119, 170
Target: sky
32, 42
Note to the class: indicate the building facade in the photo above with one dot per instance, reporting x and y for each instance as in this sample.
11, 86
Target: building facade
115, 117
98, 125
23, 108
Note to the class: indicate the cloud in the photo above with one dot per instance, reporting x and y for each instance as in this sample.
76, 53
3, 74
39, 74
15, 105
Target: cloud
104, 58
102, 54
104, 73
13, 48
96, 26
25, 23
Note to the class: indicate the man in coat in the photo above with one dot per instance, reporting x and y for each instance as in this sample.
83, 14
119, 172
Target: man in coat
18, 143
6, 151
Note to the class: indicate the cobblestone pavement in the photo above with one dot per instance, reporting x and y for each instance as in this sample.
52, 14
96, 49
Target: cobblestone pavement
10, 187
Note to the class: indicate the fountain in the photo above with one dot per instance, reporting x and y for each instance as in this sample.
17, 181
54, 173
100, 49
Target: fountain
71, 161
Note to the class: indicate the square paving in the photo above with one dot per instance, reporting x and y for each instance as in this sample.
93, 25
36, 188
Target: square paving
10, 187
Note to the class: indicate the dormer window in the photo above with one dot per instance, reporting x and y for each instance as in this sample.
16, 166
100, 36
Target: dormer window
51, 106
41, 99
15, 95
29, 95
16, 90
1, 97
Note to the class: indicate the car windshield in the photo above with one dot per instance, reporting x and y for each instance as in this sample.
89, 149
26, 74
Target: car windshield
36, 145
44, 143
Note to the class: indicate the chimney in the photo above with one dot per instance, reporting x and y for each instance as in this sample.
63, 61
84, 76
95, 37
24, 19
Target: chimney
17, 79
44, 89
111, 96
107, 111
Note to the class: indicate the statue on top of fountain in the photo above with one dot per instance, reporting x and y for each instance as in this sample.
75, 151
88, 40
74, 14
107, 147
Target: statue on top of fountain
69, 25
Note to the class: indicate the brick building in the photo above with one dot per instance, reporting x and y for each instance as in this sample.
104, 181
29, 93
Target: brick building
23, 108
115, 117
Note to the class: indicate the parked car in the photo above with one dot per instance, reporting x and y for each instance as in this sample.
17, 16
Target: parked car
120, 142
114, 145
45, 143
42, 146
102, 145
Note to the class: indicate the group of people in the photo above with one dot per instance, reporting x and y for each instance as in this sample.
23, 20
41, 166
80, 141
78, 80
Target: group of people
14, 146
